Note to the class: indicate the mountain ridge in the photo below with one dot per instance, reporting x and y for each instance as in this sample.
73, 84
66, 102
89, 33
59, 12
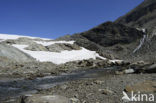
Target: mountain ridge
121, 37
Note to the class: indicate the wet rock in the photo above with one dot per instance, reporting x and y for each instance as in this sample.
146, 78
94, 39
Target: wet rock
143, 67
39, 98
151, 69
129, 71
147, 86
12, 100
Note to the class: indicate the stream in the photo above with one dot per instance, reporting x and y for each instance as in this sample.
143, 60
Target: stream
17, 87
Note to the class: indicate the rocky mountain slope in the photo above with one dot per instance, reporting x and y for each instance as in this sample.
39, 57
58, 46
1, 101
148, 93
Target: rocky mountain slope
143, 16
131, 37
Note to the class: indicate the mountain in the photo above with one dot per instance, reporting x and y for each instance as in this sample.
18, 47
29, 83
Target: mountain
143, 16
109, 39
131, 37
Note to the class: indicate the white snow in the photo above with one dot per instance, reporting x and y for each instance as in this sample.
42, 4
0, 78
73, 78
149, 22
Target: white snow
129, 71
47, 43
11, 36
115, 60
62, 57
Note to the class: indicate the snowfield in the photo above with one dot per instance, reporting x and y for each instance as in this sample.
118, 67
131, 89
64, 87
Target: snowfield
60, 58
11, 36
54, 57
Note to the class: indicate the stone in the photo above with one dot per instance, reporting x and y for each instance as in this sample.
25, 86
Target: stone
129, 71
119, 72
147, 86
40, 98
151, 69
74, 100
98, 82
106, 91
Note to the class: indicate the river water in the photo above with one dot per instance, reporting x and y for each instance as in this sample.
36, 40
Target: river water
16, 87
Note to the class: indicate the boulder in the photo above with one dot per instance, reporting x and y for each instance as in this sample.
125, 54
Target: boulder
36, 47
106, 91
40, 98
147, 86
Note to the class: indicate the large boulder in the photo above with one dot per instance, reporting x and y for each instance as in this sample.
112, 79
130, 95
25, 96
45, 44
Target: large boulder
147, 86
15, 54
39, 98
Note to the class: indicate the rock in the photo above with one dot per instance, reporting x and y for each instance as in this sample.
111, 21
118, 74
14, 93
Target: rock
14, 54
106, 55
143, 67
118, 62
129, 71
98, 82
39, 98
151, 69
106, 91
138, 63
60, 47
119, 72
36, 47
147, 86
12, 100
152, 66
85, 63
63, 87
74, 100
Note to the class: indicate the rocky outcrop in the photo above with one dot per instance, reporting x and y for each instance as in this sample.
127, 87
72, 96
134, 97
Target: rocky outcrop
11, 53
60, 47
143, 16
110, 39
40, 98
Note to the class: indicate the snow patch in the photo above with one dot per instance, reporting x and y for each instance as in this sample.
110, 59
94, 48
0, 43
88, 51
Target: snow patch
115, 60
62, 57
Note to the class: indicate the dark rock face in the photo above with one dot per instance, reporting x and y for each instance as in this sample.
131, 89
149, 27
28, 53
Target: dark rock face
142, 16
109, 34
109, 38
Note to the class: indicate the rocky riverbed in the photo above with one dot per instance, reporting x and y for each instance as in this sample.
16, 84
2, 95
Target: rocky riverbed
94, 88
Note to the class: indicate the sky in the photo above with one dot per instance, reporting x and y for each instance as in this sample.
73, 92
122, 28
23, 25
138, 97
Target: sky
55, 18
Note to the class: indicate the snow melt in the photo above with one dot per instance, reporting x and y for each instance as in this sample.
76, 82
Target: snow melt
141, 43
47, 43
61, 57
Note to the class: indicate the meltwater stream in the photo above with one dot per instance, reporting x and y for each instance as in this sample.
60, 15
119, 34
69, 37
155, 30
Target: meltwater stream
18, 87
